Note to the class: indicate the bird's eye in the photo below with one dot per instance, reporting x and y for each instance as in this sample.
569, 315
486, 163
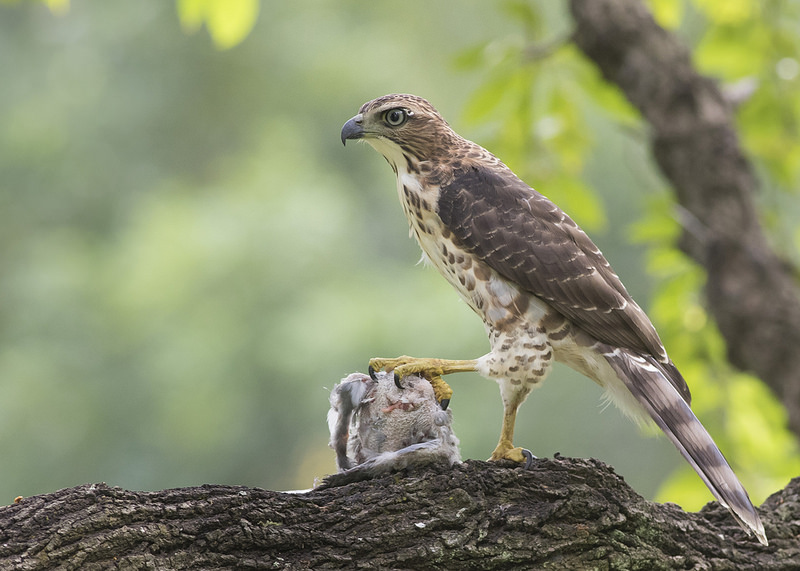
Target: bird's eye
395, 117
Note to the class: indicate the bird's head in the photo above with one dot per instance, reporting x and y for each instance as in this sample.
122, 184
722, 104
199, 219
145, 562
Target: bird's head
401, 127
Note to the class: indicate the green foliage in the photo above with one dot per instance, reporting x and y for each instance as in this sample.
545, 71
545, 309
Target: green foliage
756, 42
228, 21
540, 134
668, 13
57, 6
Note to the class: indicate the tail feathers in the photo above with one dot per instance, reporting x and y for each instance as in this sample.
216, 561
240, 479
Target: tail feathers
649, 381
674, 376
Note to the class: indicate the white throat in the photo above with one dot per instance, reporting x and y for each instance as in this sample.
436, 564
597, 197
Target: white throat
392, 151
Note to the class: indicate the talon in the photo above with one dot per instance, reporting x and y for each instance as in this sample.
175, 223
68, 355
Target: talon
529, 458
431, 369
505, 452
441, 390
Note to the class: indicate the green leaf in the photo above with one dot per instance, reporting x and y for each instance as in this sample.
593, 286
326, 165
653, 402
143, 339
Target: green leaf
668, 13
658, 226
734, 51
58, 7
611, 100
525, 13
487, 97
191, 14
728, 11
579, 201
228, 21
471, 58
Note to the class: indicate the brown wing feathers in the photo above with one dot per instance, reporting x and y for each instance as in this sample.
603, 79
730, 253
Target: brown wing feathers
530, 241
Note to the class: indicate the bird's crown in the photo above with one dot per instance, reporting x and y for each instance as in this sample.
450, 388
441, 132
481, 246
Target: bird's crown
406, 101
409, 122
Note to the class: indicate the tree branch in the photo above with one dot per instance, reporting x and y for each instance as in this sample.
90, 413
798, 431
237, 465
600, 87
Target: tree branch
564, 513
752, 294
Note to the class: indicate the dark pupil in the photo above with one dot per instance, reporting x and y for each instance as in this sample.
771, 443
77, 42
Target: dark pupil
395, 116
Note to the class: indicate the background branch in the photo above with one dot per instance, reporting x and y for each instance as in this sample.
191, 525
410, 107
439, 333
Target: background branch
752, 293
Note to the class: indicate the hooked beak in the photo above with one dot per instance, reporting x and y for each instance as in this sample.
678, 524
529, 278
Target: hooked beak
353, 129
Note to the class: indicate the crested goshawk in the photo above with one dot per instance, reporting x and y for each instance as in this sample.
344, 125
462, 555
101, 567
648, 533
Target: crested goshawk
543, 289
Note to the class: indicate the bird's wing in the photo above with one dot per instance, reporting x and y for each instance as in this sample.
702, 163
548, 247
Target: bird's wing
528, 240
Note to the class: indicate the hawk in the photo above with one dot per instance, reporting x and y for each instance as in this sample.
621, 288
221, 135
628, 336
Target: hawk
543, 289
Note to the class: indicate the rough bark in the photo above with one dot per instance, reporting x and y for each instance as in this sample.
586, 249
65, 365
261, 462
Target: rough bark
752, 294
562, 514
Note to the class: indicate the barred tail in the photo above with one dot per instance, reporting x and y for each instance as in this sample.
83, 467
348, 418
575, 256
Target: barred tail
654, 386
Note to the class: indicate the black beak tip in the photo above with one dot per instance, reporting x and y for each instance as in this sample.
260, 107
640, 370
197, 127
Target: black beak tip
352, 129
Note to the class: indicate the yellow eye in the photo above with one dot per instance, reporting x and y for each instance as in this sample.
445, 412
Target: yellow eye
395, 117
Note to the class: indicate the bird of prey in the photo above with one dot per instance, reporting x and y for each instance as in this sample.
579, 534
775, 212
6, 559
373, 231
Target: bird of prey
545, 292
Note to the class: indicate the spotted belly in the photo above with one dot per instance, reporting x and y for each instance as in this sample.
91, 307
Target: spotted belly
518, 324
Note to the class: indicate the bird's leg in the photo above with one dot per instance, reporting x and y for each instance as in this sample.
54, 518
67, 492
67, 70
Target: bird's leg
430, 369
505, 449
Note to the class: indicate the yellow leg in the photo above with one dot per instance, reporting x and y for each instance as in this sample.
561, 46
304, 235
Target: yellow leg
505, 449
431, 369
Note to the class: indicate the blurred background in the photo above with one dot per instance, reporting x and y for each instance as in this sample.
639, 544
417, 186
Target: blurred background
190, 260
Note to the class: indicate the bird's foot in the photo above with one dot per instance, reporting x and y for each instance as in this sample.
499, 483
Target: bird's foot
505, 451
430, 369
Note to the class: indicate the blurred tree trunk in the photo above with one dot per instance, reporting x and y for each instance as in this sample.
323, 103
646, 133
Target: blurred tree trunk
752, 294
563, 513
